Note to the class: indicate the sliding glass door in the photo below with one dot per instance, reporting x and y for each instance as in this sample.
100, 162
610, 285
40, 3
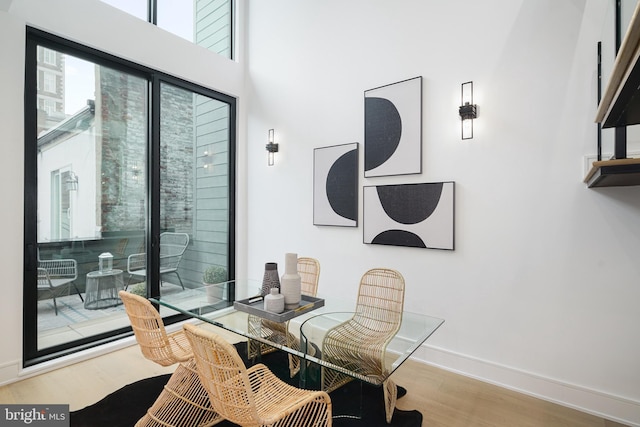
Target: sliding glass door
128, 185
194, 180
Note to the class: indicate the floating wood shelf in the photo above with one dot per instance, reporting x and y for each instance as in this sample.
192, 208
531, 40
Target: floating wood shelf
614, 173
620, 107
620, 103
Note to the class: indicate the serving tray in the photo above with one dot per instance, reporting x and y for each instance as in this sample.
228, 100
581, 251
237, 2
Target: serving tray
255, 306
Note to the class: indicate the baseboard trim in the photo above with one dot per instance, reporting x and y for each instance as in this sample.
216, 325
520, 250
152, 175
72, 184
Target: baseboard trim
13, 371
595, 402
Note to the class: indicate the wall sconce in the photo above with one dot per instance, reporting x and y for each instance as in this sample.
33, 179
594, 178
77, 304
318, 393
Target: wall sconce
135, 171
72, 182
207, 162
468, 110
271, 149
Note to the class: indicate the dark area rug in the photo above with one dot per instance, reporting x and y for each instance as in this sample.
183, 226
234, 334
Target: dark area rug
127, 405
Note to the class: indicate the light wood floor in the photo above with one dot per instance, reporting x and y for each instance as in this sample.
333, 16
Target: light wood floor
445, 399
451, 400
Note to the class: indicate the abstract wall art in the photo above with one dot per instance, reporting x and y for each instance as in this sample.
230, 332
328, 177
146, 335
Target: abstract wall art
335, 185
414, 215
393, 129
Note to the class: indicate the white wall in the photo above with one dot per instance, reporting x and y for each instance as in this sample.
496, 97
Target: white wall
76, 154
98, 25
541, 293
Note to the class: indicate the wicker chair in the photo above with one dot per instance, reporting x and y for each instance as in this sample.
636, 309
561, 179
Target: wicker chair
172, 248
254, 396
53, 274
360, 343
309, 271
183, 402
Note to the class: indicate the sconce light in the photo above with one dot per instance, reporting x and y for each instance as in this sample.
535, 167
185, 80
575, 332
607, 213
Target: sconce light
271, 149
207, 162
72, 182
135, 171
468, 110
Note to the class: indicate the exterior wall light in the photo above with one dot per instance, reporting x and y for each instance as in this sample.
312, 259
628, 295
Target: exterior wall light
207, 160
72, 182
135, 171
271, 149
468, 110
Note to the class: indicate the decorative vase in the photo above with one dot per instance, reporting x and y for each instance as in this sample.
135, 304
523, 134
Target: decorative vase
290, 282
270, 279
274, 301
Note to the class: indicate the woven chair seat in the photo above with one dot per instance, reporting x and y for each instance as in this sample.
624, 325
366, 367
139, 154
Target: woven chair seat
254, 396
360, 343
183, 402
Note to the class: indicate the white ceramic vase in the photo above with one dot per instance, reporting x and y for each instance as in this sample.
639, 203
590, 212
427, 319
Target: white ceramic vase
274, 301
290, 282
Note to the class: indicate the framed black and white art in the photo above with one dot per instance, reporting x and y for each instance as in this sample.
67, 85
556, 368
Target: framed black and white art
393, 129
414, 215
335, 185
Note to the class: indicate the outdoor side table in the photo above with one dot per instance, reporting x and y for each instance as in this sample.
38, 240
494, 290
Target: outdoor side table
102, 289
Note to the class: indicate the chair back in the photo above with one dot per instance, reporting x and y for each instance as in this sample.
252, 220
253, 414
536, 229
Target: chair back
381, 300
172, 247
224, 375
56, 269
44, 282
309, 271
149, 330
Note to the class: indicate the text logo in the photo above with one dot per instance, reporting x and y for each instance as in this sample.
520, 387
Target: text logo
34, 415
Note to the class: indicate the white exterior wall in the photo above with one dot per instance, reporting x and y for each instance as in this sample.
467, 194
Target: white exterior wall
541, 293
78, 153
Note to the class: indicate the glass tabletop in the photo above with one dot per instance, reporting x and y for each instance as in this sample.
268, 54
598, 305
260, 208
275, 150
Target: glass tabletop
414, 330
213, 304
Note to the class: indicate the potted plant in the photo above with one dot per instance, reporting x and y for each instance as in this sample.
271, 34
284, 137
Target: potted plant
212, 275
139, 289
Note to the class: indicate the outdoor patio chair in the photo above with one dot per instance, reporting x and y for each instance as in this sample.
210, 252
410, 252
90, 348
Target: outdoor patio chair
172, 247
309, 271
253, 396
183, 398
54, 274
361, 342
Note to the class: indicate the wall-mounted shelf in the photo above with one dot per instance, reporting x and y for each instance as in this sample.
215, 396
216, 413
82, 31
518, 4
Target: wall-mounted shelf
620, 103
620, 107
614, 173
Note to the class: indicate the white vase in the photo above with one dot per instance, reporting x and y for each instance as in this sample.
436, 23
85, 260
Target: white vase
290, 282
274, 301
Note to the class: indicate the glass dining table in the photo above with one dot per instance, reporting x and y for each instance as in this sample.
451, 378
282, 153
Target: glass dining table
214, 304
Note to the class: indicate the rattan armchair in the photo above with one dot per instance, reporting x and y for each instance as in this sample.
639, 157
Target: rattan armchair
183, 401
361, 342
254, 396
309, 271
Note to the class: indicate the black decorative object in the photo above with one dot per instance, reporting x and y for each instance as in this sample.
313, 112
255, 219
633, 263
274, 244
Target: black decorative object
413, 215
335, 185
270, 278
468, 110
271, 149
393, 129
